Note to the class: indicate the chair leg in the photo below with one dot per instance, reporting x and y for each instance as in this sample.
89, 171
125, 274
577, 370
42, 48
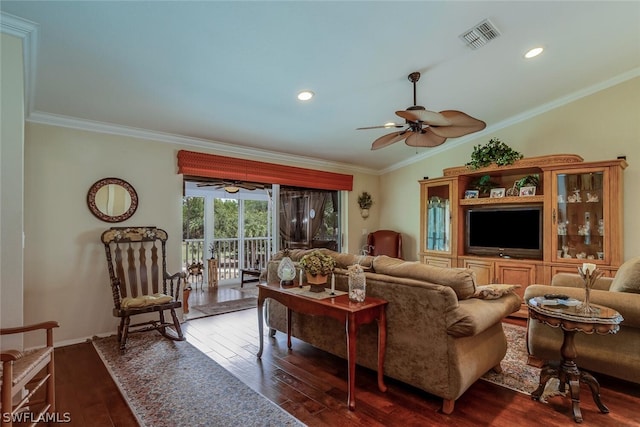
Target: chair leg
120, 327
51, 386
176, 324
125, 333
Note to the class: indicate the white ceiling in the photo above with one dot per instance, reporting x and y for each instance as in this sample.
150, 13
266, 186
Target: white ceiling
228, 72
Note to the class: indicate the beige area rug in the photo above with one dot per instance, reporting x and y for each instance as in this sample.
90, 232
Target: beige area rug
225, 306
516, 374
172, 383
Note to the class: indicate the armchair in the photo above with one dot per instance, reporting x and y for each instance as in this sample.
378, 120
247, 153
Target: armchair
136, 270
28, 370
385, 242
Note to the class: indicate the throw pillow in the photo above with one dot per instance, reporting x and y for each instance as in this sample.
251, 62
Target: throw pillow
493, 291
627, 278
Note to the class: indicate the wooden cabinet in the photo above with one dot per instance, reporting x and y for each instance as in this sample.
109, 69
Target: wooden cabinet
582, 205
438, 221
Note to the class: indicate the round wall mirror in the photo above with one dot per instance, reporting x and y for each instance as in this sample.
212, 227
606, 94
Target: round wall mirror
112, 200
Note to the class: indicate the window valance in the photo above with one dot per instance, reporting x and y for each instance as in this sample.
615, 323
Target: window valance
213, 166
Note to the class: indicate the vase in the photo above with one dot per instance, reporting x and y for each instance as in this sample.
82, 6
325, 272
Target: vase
589, 278
357, 284
316, 283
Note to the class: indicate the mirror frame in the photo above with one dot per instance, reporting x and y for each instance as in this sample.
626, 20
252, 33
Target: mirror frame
91, 200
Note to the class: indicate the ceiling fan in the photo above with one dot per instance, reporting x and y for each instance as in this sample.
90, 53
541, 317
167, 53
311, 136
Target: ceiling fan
424, 128
231, 186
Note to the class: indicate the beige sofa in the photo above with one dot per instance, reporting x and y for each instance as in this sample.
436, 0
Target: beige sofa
615, 355
439, 338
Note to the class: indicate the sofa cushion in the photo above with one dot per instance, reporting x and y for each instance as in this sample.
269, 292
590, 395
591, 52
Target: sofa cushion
461, 280
627, 278
494, 291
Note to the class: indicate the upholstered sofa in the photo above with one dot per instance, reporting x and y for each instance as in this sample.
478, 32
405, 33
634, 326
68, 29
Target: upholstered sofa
615, 355
440, 338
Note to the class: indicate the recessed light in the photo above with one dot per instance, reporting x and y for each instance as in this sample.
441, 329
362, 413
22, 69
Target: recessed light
305, 95
533, 52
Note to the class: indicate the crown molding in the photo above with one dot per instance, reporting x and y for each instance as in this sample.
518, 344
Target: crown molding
216, 147
28, 32
517, 119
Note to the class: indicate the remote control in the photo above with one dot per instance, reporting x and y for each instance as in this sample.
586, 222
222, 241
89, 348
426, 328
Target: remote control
556, 296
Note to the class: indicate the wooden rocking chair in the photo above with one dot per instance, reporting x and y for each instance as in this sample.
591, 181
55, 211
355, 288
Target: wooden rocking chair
135, 274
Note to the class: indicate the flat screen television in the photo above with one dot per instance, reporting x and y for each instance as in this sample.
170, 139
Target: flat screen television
505, 231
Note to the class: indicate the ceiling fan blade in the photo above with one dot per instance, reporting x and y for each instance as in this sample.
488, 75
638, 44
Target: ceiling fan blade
383, 126
426, 138
389, 139
426, 116
461, 124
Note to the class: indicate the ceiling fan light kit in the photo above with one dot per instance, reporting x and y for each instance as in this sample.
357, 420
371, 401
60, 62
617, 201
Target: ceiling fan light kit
424, 128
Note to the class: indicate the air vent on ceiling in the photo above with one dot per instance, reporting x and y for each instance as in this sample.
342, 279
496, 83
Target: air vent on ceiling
480, 35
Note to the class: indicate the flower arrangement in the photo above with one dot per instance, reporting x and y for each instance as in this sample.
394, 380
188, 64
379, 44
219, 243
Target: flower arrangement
317, 263
590, 274
364, 200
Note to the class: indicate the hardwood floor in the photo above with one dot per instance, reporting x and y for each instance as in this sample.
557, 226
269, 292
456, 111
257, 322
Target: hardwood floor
311, 385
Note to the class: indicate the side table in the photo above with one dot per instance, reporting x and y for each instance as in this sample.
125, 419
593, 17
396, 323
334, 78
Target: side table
604, 321
352, 314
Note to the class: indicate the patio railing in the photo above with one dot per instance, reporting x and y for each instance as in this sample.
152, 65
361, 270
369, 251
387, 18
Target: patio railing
255, 254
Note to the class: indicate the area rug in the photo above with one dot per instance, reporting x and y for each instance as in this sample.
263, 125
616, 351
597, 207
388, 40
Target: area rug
516, 374
169, 383
227, 306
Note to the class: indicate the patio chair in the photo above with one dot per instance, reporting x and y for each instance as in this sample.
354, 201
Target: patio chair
23, 375
136, 259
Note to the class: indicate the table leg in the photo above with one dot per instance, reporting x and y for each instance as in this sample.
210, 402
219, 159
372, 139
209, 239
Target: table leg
260, 325
351, 360
289, 314
382, 346
569, 370
595, 390
546, 374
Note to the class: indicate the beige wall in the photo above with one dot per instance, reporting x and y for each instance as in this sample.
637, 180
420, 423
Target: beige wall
11, 186
66, 274
601, 126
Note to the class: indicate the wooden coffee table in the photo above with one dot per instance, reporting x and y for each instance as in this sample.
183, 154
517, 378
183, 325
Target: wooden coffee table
604, 321
352, 314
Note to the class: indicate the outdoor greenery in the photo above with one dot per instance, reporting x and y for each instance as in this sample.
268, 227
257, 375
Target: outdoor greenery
226, 218
495, 151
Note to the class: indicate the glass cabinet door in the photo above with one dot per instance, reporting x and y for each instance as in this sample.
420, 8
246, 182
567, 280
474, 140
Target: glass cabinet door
580, 216
437, 199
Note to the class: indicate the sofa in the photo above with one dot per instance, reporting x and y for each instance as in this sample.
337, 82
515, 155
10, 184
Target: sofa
440, 338
616, 355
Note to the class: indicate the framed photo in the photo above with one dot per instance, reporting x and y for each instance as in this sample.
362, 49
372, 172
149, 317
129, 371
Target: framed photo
497, 192
471, 194
527, 191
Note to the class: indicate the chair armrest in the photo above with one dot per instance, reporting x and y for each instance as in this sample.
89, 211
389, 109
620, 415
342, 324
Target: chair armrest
10, 356
476, 315
573, 280
28, 328
175, 280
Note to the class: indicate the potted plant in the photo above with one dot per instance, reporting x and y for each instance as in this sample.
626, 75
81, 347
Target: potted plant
495, 151
484, 184
365, 201
317, 267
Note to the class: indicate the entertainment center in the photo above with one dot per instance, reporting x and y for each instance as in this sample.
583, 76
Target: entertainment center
525, 236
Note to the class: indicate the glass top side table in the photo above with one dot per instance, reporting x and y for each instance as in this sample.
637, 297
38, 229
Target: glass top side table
564, 315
